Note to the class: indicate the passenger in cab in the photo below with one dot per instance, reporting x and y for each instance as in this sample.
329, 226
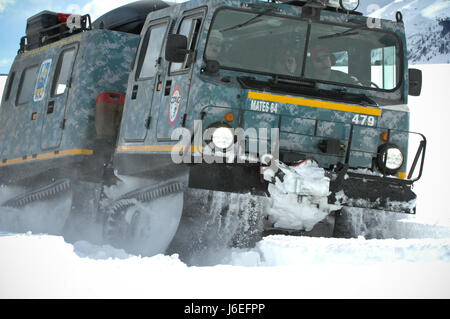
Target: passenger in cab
286, 63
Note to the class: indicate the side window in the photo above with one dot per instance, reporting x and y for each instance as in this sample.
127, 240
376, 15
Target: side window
383, 67
26, 86
150, 51
62, 73
190, 27
9, 86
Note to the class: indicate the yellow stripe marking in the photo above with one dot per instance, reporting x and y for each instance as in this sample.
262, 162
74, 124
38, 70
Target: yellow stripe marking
314, 103
47, 156
52, 45
155, 148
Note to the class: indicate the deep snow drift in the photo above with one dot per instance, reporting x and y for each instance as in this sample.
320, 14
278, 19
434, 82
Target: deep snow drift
414, 262
279, 267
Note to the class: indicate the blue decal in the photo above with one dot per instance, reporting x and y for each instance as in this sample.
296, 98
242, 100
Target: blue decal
41, 82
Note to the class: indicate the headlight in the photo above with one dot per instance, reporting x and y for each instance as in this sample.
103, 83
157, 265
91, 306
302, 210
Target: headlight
390, 158
393, 158
349, 5
223, 137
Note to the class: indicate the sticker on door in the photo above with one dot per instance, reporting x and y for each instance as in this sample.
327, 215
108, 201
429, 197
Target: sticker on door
174, 106
41, 82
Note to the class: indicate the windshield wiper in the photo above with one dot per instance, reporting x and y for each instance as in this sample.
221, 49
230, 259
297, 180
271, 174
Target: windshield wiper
248, 22
361, 99
304, 87
292, 80
340, 34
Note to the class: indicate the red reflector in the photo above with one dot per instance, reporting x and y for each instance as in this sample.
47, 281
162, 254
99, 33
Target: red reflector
62, 17
111, 97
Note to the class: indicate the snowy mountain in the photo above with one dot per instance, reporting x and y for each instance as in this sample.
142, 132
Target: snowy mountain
427, 24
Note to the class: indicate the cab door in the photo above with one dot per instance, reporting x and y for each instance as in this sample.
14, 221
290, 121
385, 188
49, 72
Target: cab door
55, 105
142, 83
173, 98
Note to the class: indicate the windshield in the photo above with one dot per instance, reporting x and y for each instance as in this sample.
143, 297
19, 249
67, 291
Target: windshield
275, 45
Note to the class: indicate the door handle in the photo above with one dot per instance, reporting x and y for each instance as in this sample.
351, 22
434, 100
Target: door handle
50, 107
134, 93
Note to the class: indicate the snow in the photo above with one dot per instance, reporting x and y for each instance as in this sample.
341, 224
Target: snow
413, 262
279, 267
306, 178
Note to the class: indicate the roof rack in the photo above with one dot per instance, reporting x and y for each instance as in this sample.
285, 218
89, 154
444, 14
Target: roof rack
47, 27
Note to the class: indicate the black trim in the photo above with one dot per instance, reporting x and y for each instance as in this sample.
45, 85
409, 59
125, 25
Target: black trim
20, 87
238, 178
420, 151
144, 47
305, 54
305, 89
57, 73
9, 87
199, 13
373, 192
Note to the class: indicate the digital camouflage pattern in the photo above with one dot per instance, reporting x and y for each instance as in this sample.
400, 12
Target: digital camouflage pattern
64, 122
158, 105
48, 141
210, 96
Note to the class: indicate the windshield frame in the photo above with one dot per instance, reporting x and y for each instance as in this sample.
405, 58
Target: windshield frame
400, 51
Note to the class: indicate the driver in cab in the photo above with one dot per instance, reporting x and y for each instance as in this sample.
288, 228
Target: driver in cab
320, 67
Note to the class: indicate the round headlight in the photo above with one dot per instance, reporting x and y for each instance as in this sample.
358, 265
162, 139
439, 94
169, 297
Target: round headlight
393, 158
349, 5
223, 137
390, 159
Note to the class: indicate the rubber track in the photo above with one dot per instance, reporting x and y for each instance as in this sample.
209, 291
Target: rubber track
39, 194
145, 195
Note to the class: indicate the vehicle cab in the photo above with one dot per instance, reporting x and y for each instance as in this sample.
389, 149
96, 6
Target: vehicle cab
332, 83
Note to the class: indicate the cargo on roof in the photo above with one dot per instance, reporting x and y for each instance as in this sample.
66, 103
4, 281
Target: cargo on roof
47, 27
129, 18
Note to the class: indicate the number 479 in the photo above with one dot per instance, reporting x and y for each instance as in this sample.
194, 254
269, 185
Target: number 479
360, 119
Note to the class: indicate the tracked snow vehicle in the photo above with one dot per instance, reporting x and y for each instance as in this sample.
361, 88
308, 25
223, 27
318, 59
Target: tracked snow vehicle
60, 113
233, 100
241, 118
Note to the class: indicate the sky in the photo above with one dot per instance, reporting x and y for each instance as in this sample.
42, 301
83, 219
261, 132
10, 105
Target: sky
14, 13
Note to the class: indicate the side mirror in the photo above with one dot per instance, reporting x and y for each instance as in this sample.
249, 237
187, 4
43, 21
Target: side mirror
212, 66
176, 48
415, 82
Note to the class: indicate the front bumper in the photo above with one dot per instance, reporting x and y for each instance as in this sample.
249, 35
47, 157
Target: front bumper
345, 188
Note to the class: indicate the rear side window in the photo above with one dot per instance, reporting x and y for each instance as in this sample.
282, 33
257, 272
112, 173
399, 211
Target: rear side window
26, 87
9, 86
62, 74
150, 51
